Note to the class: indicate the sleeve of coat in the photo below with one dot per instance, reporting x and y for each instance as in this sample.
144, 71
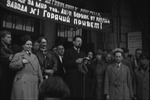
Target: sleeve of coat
39, 72
16, 62
134, 83
5, 56
129, 82
55, 66
106, 82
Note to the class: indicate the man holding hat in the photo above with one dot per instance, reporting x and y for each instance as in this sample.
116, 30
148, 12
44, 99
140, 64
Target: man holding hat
118, 83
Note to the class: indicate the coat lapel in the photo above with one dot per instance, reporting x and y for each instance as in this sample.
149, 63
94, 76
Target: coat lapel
116, 72
58, 59
119, 71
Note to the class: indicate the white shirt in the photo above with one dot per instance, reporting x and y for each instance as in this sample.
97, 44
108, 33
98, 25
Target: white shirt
60, 57
78, 49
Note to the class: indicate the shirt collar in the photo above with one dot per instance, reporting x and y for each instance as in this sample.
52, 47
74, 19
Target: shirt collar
76, 48
118, 64
28, 52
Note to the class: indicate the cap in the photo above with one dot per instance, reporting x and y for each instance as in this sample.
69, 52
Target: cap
99, 52
117, 50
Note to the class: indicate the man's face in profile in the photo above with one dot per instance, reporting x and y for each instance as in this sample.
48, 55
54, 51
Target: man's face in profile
78, 42
7, 39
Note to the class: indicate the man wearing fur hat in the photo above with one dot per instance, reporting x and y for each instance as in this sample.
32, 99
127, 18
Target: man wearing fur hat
118, 85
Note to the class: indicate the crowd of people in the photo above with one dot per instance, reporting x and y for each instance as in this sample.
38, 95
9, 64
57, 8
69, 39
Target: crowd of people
34, 72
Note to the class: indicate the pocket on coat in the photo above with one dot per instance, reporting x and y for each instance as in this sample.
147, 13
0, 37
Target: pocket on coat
18, 79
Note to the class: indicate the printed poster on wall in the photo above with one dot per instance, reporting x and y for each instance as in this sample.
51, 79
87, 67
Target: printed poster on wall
134, 41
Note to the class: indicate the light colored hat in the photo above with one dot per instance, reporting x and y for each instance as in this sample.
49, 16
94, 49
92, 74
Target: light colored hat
117, 50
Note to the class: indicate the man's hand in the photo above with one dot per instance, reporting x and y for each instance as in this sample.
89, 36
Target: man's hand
10, 57
49, 71
107, 97
25, 61
79, 60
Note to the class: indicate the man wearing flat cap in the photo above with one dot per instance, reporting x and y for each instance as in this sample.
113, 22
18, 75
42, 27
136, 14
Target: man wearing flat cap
118, 85
98, 72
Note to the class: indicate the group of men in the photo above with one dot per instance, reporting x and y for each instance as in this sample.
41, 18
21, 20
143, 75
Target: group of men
118, 80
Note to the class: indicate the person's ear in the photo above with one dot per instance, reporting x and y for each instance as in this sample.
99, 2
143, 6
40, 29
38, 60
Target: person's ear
73, 42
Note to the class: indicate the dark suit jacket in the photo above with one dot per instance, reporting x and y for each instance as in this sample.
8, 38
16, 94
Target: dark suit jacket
74, 78
4, 58
7, 75
60, 69
50, 62
5, 53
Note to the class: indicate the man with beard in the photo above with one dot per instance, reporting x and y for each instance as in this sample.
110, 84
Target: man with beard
5, 57
47, 61
73, 59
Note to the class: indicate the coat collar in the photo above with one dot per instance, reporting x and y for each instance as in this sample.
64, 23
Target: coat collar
77, 50
29, 58
116, 71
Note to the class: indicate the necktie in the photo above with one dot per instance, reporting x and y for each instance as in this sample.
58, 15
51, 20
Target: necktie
118, 66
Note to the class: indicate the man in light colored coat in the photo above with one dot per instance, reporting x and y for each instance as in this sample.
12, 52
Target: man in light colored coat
28, 76
118, 85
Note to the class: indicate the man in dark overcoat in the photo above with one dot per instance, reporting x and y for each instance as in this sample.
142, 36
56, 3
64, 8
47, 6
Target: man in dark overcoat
47, 60
141, 84
73, 57
5, 58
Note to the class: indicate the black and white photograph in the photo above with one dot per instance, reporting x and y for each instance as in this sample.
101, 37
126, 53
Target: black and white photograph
74, 49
